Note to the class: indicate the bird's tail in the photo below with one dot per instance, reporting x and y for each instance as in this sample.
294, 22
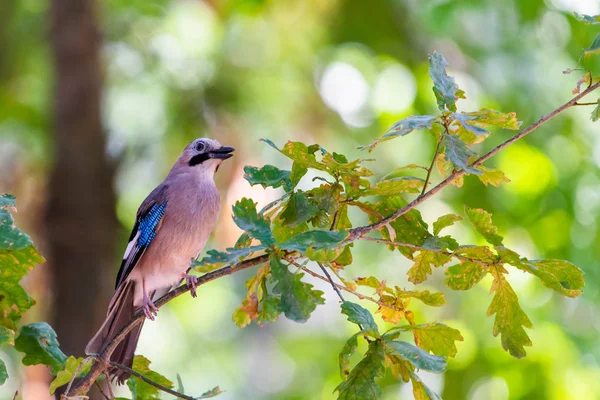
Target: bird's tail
120, 312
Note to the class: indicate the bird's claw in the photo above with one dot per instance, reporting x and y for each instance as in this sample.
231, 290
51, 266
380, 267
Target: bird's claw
192, 283
150, 310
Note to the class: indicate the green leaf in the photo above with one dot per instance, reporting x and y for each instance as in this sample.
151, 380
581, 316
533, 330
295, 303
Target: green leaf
298, 299
269, 309
180, 387
11, 237
508, 256
38, 342
595, 116
493, 177
482, 221
210, 394
558, 275
349, 349
440, 243
444, 87
315, 239
243, 241
588, 19
14, 300
6, 336
257, 226
3, 373
465, 275
445, 221
459, 154
63, 377
408, 228
486, 117
360, 316
431, 299
404, 127
215, 259
268, 176
360, 384
424, 262
510, 319
420, 390
394, 186
245, 313
467, 120
593, 49
298, 209
418, 357
17, 258
300, 153
284, 233
481, 253
436, 338
8, 202
298, 171
140, 389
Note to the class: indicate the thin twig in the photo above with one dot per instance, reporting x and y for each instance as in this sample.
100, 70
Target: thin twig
331, 282
595, 103
344, 288
421, 248
150, 381
437, 150
360, 231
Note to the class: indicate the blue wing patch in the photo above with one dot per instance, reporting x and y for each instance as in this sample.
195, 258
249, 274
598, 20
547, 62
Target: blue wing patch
148, 224
143, 233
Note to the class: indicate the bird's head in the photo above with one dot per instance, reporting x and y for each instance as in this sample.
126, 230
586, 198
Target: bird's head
205, 155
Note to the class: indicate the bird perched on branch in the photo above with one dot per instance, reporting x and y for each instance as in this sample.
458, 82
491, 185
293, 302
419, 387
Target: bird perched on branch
171, 227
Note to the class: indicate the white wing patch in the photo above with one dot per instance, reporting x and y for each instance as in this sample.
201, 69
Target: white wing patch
130, 245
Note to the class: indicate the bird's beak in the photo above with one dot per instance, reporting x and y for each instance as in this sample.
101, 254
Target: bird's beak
223, 153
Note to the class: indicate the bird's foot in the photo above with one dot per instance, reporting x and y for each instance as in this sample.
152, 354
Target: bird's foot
192, 283
150, 310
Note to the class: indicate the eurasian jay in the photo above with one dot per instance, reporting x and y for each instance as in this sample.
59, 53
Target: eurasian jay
171, 228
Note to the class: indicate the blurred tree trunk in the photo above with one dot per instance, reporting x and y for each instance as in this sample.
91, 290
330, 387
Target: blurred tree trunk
80, 218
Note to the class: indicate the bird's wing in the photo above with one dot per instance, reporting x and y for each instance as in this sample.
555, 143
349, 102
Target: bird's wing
147, 223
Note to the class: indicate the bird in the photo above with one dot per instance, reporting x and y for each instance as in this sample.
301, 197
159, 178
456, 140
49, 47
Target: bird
171, 228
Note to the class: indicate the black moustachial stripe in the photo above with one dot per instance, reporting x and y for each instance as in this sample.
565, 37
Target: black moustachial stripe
199, 159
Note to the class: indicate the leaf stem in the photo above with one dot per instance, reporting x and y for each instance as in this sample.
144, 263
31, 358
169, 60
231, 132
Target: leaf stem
435, 154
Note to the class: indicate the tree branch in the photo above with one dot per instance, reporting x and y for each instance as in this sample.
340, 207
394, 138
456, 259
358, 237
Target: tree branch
83, 386
414, 246
360, 231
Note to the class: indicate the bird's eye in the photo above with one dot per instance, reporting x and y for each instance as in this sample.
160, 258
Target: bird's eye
200, 146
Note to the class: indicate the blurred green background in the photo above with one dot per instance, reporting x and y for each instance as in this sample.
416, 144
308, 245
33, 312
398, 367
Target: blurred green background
337, 73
